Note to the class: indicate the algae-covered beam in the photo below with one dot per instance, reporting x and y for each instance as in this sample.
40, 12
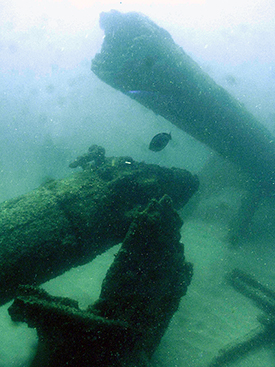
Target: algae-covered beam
139, 296
68, 222
141, 60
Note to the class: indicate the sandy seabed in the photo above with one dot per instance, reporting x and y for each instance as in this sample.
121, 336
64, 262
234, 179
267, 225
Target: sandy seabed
211, 316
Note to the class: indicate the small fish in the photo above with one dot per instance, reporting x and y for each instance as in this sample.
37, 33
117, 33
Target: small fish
159, 141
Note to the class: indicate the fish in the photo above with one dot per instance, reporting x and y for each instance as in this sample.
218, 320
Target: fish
159, 142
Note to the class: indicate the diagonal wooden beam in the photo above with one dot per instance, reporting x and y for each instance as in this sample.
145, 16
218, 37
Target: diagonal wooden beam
141, 60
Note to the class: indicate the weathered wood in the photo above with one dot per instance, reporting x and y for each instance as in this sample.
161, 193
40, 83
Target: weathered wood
139, 296
141, 60
69, 222
261, 337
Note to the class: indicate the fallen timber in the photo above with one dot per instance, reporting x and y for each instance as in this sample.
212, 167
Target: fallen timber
68, 222
139, 296
141, 60
261, 337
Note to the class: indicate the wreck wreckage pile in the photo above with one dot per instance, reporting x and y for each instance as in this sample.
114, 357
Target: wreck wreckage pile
69, 222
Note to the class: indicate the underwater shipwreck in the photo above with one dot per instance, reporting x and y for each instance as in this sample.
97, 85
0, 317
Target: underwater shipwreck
68, 222
112, 200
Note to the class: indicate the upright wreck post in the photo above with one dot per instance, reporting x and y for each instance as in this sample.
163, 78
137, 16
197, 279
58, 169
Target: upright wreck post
141, 60
139, 296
